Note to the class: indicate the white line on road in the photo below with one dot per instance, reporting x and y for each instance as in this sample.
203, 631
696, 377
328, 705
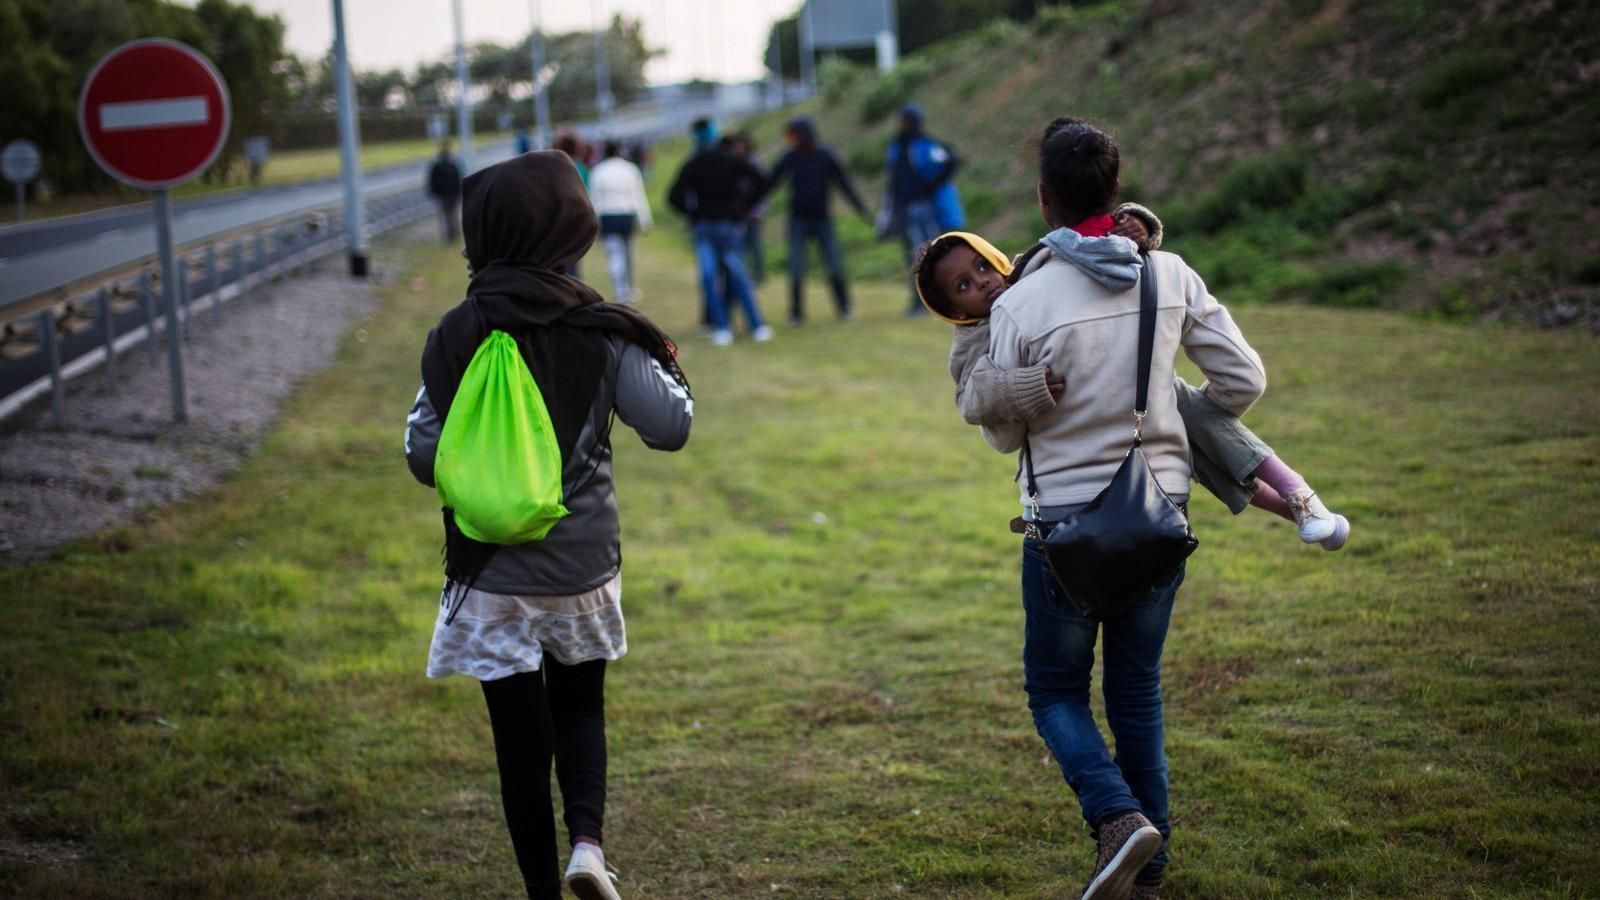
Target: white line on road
168, 113
109, 236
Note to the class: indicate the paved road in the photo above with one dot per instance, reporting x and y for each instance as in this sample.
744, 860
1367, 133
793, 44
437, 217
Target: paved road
38, 257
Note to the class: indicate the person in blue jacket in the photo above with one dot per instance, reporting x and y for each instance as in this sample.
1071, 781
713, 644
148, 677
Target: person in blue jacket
922, 199
812, 169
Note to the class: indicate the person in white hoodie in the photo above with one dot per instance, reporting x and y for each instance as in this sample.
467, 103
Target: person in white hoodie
1075, 309
616, 187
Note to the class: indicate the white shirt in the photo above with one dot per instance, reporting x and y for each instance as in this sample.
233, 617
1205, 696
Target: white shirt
617, 189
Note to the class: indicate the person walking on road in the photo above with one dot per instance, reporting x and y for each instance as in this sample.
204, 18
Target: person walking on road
617, 188
537, 622
812, 169
921, 199
444, 186
712, 189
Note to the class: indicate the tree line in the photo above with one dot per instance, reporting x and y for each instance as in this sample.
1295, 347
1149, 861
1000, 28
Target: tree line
50, 46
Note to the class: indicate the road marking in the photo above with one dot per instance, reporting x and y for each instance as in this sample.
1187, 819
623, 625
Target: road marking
169, 113
109, 236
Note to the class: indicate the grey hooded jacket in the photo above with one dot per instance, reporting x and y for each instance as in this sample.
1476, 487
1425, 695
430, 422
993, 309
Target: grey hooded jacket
583, 550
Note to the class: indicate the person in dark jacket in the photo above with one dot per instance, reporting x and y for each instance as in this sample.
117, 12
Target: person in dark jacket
744, 146
444, 186
812, 170
917, 168
536, 623
714, 189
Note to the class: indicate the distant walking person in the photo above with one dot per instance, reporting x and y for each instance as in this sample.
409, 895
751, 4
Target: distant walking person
922, 201
711, 189
617, 188
812, 169
444, 186
536, 622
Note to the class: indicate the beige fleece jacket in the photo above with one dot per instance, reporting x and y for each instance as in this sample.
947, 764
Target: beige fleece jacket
1059, 317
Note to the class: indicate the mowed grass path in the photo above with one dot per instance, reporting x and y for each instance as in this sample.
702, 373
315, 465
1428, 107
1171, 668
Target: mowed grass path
823, 696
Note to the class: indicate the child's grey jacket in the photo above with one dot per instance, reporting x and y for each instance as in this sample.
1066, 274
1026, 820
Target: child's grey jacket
583, 550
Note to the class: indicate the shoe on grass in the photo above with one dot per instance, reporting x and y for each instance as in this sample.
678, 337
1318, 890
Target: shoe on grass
721, 338
1127, 842
588, 877
762, 334
1318, 525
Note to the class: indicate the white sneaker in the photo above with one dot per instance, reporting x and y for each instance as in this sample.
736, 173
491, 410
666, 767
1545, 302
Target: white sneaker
588, 877
1317, 524
721, 338
762, 334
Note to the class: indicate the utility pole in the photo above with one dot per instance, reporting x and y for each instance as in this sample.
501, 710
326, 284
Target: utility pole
602, 65
464, 104
355, 213
807, 53
541, 101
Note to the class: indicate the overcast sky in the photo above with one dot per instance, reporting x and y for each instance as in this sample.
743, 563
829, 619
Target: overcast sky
717, 39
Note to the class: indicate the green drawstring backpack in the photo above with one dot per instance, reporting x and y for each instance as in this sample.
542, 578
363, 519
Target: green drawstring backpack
498, 466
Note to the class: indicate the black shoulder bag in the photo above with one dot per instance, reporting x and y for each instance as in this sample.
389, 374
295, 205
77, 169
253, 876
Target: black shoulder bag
1131, 536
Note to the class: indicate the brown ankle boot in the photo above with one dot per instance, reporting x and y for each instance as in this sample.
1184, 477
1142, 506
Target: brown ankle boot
1127, 842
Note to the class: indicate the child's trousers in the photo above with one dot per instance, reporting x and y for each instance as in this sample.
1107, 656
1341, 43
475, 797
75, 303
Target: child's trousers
1223, 451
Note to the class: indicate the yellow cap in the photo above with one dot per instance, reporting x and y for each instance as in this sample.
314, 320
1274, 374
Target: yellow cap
979, 246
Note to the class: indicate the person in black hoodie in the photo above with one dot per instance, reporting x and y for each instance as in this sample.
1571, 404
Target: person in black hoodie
812, 170
536, 623
714, 189
444, 186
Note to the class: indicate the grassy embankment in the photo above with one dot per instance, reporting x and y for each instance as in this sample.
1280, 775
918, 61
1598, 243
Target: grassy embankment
823, 695
1434, 157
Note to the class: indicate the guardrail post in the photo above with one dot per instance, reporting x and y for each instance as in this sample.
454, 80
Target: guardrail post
261, 259
108, 323
147, 299
212, 276
52, 354
238, 267
182, 272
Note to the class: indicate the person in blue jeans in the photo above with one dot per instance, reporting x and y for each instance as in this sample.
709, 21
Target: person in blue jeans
812, 171
715, 189
919, 170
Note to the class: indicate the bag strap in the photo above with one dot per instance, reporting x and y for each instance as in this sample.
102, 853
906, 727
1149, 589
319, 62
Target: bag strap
1147, 341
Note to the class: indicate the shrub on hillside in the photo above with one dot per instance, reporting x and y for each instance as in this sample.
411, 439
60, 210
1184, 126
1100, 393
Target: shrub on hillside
1258, 183
837, 78
1459, 74
894, 88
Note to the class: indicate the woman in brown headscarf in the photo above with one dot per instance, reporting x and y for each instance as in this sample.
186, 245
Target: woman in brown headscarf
537, 622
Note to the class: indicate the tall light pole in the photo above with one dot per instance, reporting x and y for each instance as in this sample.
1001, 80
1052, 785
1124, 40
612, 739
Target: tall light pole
355, 213
602, 65
541, 101
464, 104
807, 53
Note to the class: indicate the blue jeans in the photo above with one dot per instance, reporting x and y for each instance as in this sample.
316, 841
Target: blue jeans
1057, 659
919, 225
718, 244
819, 229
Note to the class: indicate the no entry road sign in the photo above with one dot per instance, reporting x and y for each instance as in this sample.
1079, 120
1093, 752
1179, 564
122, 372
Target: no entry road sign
154, 113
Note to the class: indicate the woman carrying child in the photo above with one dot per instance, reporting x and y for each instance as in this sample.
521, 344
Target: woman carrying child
537, 622
1063, 349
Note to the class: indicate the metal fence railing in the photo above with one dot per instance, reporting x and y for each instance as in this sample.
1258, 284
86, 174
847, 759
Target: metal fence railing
44, 347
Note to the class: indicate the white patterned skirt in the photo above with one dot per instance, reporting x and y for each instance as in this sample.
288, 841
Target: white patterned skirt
494, 636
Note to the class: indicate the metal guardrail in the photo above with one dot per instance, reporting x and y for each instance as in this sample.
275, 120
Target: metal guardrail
43, 348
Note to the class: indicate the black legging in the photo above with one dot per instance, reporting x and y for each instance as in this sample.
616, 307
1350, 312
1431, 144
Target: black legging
534, 714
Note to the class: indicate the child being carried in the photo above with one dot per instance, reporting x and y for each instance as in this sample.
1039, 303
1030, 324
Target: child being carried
960, 275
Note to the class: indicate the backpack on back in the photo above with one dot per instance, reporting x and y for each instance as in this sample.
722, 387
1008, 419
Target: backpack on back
498, 466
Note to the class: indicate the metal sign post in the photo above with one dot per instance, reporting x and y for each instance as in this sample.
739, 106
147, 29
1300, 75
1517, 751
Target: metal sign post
169, 302
154, 113
19, 162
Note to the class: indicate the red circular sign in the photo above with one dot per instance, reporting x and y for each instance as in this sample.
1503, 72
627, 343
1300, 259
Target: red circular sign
154, 113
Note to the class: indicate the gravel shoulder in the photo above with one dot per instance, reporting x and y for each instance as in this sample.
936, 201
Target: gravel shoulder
119, 454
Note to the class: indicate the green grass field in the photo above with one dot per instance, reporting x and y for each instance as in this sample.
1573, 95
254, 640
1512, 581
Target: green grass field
823, 697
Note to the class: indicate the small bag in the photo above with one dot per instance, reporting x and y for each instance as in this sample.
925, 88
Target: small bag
498, 468
1131, 536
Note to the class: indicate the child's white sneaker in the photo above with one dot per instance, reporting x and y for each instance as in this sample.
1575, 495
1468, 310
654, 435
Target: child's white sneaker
588, 877
762, 334
721, 338
1317, 524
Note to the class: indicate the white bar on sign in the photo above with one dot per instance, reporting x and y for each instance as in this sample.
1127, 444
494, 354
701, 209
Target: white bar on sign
168, 113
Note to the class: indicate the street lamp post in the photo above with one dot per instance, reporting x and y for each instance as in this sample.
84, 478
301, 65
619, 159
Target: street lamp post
602, 65
464, 103
541, 101
355, 213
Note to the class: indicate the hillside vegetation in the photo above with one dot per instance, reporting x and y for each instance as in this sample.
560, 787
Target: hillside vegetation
1435, 157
